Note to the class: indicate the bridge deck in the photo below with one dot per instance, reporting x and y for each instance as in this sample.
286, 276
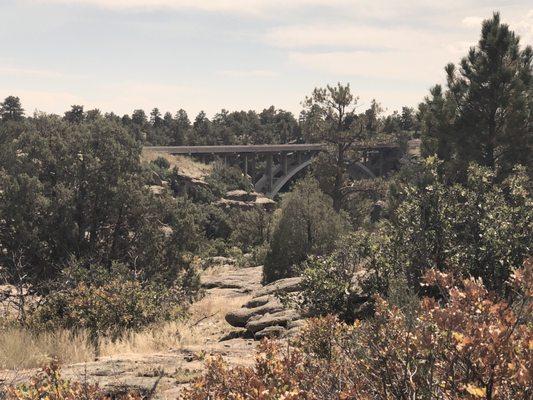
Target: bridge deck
256, 148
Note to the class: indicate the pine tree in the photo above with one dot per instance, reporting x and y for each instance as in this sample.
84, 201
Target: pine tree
11, 109
329, 116
76, 115
489, 95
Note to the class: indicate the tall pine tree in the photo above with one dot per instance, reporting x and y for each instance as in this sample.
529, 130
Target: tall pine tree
485, 115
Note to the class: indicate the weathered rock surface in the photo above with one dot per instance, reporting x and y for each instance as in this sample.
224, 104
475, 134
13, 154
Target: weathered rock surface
217, 261
258, 301
241, 195
270, 332
239, 318
245, 200
243, 281
282, 286
281, 318
264, 315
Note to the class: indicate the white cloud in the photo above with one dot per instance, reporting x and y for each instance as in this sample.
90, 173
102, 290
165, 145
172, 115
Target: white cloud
472, 22
29, 72
524, 27
403, 54
353, 36
255, 73
238, 6
401, 66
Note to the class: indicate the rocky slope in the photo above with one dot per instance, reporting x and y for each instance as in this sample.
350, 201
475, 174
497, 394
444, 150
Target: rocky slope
235, 310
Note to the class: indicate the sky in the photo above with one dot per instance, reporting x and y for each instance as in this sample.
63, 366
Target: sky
121, 55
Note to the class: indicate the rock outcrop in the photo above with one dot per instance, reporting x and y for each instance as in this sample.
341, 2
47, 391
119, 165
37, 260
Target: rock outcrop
245, 200
265, 315
245, 280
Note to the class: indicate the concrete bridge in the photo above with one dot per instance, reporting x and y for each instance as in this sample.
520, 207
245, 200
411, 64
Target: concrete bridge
282, 161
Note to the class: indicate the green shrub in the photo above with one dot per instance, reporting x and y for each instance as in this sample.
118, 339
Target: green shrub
480, 228
110, 304
305, 224
249, 228
162, 162
343, 281
225, 178
216, 223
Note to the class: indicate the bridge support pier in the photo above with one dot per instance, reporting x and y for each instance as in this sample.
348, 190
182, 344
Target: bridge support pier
245, 165
252, 166
269, 172
298, 157
284, 164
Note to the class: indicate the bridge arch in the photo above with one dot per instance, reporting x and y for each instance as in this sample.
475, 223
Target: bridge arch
278, 185
282, 181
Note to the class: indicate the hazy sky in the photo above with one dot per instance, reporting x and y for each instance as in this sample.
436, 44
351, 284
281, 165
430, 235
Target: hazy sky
118, 55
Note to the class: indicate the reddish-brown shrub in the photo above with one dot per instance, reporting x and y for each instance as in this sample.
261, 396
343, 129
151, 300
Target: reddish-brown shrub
50, 385
468, 345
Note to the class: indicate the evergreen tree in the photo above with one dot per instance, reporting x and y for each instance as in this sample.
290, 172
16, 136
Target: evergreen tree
11, 109
372, 117
306, 224
329, 116
407, 119
139, 117
203, 129
181, 128
487, 108
94, 114
155, 118
75, 115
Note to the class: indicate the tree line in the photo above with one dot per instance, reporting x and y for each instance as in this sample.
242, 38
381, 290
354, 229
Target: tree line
271, 125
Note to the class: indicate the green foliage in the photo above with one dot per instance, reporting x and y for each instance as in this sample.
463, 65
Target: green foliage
329, 116
342, 282
162, 162
482, 228
215, 222
107, 302
225, 178
78, 190
305, 224
11, 109
485, 115
250, 228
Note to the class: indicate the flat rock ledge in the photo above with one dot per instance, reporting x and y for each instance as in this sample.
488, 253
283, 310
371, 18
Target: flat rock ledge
264, 315
244, 280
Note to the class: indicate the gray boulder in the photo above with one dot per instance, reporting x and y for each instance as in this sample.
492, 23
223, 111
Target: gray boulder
270, 332
287, 285
258, 301
245, 280
240, 317
296, 324
281, 318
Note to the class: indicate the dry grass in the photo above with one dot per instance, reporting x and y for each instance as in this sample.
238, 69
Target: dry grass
185, 165
21, 349
205, 322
